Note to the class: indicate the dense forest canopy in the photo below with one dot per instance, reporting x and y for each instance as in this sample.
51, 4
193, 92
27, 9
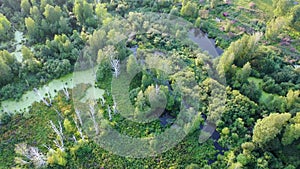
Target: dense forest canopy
150, 84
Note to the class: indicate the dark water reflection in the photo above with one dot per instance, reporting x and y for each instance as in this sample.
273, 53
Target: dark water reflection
205, 43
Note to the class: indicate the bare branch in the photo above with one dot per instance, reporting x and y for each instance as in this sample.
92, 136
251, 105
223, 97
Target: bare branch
58, 113
41, 97
74, 138
37, 158
92, 115
59, 133
78, 116
79, 129
66, 92
102, 101
157, 88
31, 153
109, 113
115, 105
115, 64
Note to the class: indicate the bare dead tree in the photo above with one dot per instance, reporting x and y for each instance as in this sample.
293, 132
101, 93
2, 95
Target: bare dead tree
92, 115
41, 97
109, 112
74, 138
32, 155
111, 53
115, 64
58, 113
79, 129
48, 148
102, 101
66, 92
115, 106
27, 83
78, 116
37, 158
157, 88
60, 142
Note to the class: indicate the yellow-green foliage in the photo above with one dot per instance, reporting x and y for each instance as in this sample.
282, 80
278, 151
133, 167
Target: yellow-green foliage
269, 127
5, 26
57, 157
292, 131
68, 126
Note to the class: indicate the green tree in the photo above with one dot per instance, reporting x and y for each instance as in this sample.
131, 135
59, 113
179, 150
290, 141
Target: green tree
282, 7
52, 14
245, 72
132, 66
155, 97
192, 166
60, 48
293, 100
292, 131
57, 68
142, 109
295, 18
43, 4
5, 73
5, 27
32, 28
189, 10
14, 5
238, 53
57, 157
83, 11
30, 63
64, 26
97, 41
35, 13
248, 147
214, 3
25, 6
68, 126
268, 128
274, 28
6, 67
7, 58
101, 12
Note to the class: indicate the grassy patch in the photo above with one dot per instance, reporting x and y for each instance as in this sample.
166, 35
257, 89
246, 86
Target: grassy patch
264, 5
264, 95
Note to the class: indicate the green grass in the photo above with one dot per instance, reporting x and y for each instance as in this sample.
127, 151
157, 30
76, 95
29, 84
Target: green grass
264, 95
264, 5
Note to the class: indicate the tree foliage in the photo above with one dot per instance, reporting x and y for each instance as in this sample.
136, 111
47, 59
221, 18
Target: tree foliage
32, 28
189, 10
5, 27
84, 12
295, 19
52, 14
269, 127
292, 131
275, 27
282, 7
239, 52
